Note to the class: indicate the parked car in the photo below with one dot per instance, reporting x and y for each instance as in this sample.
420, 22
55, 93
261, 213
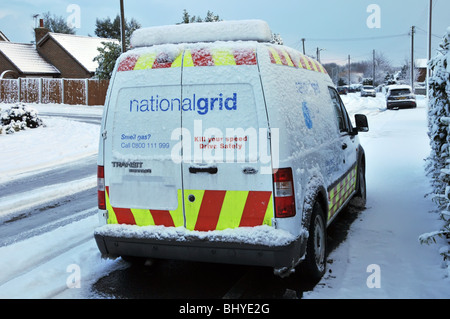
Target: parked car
342, 90
368, 90
193, 160
400, 96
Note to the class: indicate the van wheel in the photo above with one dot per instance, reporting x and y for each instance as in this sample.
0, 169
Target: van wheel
361, 193
315, 261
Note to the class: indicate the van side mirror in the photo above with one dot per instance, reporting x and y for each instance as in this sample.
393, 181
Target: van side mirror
362, 125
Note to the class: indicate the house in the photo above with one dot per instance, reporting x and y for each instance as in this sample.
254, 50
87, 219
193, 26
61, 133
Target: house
54, 55
422, 68
23, 60
72, 55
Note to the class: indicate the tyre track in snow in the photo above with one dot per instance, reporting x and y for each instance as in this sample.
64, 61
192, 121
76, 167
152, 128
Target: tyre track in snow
44, 251
38, 267
39, 217
36, 203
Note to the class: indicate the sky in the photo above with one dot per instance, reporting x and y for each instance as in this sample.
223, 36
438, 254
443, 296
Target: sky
338, 28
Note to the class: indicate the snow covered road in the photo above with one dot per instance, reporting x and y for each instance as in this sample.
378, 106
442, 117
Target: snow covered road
381, 249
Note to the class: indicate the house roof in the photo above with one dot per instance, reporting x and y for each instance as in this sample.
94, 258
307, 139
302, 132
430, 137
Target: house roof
421, 63
26, 58
3, 37
81, 48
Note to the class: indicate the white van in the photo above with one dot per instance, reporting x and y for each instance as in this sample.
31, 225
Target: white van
217, 145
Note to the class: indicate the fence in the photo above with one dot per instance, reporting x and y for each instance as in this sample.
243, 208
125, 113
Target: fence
61, 91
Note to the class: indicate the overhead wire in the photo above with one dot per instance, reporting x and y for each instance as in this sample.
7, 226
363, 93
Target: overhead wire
359, 39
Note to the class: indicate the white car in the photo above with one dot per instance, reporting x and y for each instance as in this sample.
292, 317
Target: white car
400, 96
368, 90
217, 145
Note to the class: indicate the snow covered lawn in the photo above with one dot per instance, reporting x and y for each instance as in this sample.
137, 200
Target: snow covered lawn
61, 141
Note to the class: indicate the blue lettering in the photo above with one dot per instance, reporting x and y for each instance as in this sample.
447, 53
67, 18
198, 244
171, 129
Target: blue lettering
131, 105
161, 105
232, 99
179, 104
144, 106
202, 105
186, 103
152, 100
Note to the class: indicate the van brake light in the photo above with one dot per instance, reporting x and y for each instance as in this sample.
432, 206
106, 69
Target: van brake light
101, 187
284, 193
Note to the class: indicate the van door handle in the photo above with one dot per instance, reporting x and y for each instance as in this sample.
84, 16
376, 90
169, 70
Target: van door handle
344, 146
210, 170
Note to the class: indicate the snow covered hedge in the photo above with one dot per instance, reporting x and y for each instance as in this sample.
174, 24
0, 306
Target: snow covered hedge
18, 117
438, 166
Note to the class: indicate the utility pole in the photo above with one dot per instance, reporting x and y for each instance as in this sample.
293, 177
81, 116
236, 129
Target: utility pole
303, 40
430, 17
412, 57
318, 54
349, 81
373, 71
122, 27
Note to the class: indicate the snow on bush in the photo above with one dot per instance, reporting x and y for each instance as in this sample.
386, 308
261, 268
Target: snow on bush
438, 166
18, 117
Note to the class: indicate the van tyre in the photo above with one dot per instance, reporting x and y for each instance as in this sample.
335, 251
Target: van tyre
315, 262
360, 197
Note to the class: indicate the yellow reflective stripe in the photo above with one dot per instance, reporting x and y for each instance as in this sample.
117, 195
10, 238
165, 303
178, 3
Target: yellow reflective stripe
145, 61
177, 62
307, 62
314, 67
192, 208
322, 69
232, 209
187, 59
142, 217
269, 213
287, 57
223, 57
112, 219
177, 215
341, 192
275, 55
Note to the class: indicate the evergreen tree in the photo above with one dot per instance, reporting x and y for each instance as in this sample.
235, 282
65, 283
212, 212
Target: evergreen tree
438, 167
210, 17
110, 52
107, 58
107, 28
56, 24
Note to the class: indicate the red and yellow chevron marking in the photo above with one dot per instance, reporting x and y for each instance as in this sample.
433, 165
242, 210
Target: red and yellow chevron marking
191, 58
143, 217
341, 192
211, 210
294, 59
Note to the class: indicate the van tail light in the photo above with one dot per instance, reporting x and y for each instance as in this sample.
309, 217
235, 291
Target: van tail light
101, 187
284, 193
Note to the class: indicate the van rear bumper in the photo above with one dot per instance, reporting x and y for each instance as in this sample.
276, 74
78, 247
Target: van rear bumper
203, 250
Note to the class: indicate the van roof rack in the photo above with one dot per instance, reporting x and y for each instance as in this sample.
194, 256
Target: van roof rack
243, 30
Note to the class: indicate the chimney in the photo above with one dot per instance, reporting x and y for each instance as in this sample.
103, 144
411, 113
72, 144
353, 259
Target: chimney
41, 31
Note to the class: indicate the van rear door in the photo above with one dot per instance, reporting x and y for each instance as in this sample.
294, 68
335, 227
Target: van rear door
227, 169
143, 181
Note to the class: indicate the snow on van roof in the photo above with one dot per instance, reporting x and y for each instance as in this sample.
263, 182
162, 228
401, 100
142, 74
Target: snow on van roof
245, 30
